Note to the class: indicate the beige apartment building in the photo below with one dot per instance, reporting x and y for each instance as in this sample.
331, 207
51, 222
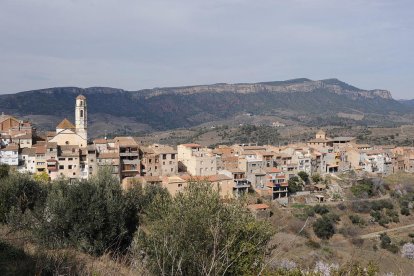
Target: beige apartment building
196, 160
129, 157
159, 160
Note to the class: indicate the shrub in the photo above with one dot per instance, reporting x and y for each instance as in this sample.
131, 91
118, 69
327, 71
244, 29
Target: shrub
320, 209
309, 212
381, 204
294, 185
376, 215
21, 192
304, 176
393, 215
94, 216
313, 244
333, 217
355, 219
324, 228
361, 206
195, 230
405, 211
385, 240
363, 189
316, 178
4, 170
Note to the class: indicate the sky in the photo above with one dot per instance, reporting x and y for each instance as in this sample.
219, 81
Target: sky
135, 44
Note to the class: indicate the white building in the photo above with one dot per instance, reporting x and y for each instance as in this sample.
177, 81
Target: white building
10, 155
196, 160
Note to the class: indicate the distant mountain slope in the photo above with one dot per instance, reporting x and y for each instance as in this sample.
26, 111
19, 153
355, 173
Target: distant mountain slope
175, 107
409, 103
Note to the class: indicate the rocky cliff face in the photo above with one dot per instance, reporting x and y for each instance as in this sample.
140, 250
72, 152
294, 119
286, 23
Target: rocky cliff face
292, 86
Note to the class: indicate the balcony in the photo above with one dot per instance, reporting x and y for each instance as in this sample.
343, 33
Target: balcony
244, 183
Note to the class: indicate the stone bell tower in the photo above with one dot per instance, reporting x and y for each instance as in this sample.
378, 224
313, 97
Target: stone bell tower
81, 117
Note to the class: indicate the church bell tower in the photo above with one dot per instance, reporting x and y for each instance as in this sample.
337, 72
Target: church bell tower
81, 117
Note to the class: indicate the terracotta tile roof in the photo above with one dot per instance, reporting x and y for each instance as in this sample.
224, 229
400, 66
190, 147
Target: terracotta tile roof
219, 177
272, 170
126, 141
191, 145
10, 147
65, 124
40, 149
29, 151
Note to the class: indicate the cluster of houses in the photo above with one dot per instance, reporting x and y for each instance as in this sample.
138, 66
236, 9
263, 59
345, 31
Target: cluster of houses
233, 170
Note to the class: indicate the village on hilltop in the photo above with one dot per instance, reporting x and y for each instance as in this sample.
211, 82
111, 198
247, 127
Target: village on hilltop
235, 170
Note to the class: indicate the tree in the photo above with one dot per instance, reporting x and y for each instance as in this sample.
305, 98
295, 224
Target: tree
294, 185
94, 215
304, 176
316, 178
195, 233
20, 192
42, 177
324, 228
4, 170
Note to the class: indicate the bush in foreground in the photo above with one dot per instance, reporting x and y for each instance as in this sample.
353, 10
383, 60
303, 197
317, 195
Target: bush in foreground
195, 233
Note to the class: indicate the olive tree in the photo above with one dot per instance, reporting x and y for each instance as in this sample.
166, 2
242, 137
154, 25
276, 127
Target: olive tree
195, 233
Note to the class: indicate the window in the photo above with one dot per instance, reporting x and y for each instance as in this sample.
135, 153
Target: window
164, 156
163, 162
81, 113
172, 156
180, 185
70, 158
61, 167
61, 159
70, 167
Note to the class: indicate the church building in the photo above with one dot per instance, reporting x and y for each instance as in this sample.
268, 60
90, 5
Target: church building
69, 134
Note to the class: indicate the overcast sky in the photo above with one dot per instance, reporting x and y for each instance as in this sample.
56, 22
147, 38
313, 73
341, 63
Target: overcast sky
134, 44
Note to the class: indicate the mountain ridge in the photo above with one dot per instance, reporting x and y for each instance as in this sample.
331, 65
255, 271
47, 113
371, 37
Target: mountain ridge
300, 100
